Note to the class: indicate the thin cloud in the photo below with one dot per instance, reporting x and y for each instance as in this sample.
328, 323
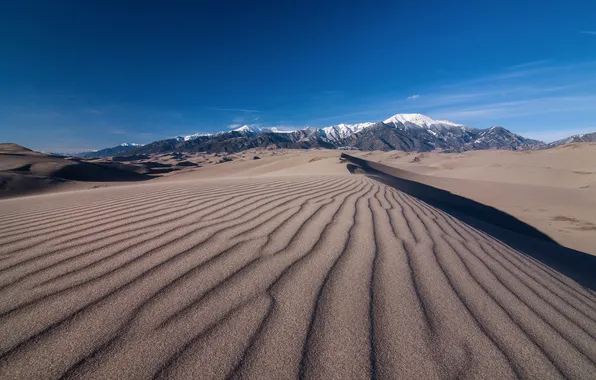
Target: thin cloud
518, 74
529, 64
93, 111
413, 97
528, 90
234, 126
589, 32
232, 110
527, 107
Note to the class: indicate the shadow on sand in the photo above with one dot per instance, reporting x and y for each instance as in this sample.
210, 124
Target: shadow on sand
576, 265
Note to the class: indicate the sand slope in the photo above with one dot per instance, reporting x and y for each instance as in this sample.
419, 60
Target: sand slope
553, 190
332, 277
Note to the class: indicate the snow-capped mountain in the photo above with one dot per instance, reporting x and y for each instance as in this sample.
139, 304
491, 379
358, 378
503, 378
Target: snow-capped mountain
335, 133
418, 120
130, 144
408, 132
497, 137
192, 137
249, 128
340, 131
400, 120
418, 132
254, 128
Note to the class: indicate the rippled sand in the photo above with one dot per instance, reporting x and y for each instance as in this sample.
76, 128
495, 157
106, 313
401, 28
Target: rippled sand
322, 276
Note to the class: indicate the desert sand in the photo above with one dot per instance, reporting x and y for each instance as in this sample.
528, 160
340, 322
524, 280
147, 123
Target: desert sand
289, 266
553, 190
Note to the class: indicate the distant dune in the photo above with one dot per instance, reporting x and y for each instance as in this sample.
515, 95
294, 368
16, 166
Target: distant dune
23, 171
283, 267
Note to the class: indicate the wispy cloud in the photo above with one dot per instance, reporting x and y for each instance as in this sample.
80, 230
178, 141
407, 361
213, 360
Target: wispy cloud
93, 111
460, 97
413, 97
232, 109
234, 126
529, 64
531, 71
518, 108
589, 32
118, 132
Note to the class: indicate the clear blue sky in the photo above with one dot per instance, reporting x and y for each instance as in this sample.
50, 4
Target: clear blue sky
77, 75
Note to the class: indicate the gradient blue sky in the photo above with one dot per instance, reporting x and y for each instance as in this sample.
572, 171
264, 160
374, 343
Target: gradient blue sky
78, 75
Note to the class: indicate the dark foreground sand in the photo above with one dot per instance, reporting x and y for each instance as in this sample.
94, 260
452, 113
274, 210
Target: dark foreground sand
328, 277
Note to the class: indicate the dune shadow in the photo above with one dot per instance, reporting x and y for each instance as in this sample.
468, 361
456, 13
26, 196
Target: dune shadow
88, 171
355, 169
576, 265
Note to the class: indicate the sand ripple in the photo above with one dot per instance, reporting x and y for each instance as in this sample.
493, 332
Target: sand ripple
335, 277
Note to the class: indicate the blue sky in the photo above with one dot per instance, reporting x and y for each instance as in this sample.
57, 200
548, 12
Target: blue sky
82, 75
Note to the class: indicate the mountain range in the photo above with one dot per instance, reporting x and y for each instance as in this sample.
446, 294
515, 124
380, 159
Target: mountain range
406, 132
586, 137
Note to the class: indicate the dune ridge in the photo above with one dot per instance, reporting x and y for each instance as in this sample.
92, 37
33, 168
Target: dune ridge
335, 276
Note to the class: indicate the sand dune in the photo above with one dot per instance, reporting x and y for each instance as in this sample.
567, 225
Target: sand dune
329, 276
569, 166
23, 171
553, 190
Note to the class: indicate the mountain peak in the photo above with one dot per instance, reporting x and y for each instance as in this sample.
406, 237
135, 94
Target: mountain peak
130, 144
340, 131
418, 119
254, 128
248, 128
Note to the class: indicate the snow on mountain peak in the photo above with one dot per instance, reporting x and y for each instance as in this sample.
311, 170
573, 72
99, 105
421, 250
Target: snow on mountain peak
192, 137
339, 131
447, 122
258, 129
335, 132
248, 128
130, 144
196, 135
418, 119
275, 130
